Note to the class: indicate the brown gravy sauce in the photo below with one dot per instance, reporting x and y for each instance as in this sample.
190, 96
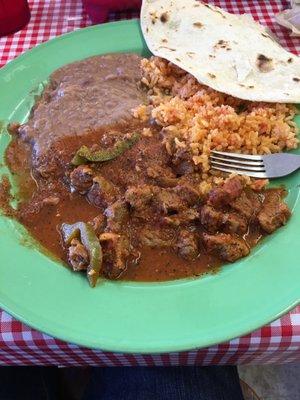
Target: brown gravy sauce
154, 264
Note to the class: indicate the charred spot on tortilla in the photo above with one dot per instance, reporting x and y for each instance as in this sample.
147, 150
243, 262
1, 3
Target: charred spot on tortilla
215, 10
164, 40
177, 59
219, 12
153, 17
165, 47
212, 76
222, 44
198, 25
296, 79
190, 54
164, 17
251, 87
263, 63
147, 29
290, 60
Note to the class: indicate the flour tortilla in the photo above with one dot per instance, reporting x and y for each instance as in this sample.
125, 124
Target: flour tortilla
230, 53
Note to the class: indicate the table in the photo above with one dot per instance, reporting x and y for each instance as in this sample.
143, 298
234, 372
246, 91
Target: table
20, 345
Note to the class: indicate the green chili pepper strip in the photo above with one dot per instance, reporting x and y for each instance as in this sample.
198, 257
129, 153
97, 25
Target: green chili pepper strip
84, 154
90, 241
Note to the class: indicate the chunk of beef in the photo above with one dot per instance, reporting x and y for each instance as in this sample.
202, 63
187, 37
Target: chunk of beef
211, 219
168, 202
226, 193
183, 163
81, 178
165, 200
78, 256
141, 200
187, 244
247, 204
234, 223
184, 167
156, 237
116, 215
188, 194
233, 187
139, 197
184, 217
116, 249
163, 176
225, 246
274, 212
174, 200
102, 193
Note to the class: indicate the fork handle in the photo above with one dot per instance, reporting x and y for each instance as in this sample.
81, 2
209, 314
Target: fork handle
281, 164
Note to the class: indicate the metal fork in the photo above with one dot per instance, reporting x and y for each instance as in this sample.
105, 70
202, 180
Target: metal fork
257, 166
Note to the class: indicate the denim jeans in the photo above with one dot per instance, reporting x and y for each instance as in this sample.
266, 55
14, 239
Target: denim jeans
122, 383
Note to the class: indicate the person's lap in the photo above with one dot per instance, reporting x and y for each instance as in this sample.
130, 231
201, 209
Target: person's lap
125, 383
173, 383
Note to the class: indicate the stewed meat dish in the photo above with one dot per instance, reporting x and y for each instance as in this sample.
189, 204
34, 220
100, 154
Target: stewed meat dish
100, 190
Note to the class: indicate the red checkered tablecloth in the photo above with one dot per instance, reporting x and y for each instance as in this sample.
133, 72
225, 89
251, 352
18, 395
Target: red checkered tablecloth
21, 345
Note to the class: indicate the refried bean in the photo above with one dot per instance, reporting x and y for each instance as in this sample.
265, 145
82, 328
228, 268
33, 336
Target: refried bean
84, 96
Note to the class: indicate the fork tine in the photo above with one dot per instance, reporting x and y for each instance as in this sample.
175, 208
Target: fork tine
258, 168
248, 173
236, 161
237, 155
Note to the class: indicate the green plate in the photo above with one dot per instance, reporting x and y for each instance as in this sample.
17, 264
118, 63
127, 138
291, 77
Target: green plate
134, 317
